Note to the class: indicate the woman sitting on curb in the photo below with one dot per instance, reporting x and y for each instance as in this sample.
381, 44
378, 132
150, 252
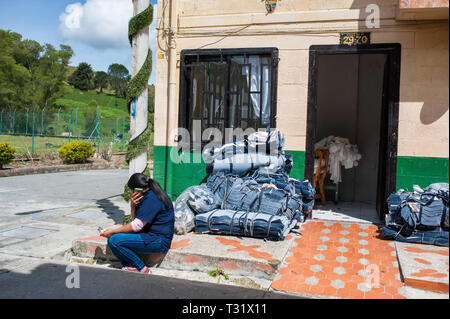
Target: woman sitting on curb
151, 230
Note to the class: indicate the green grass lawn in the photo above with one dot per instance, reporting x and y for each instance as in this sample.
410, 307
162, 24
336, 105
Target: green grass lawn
50, 145
47, 145
110, 106
82, 123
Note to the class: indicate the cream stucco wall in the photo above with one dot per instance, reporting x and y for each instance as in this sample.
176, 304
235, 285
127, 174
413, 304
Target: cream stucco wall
293, 28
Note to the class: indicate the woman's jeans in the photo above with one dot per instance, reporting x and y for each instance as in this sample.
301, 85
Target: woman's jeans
126, 246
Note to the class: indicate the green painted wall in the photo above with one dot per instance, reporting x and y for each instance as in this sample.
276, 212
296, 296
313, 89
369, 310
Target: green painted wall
187, 173
422, 171
411, 171
298, 170
182, 175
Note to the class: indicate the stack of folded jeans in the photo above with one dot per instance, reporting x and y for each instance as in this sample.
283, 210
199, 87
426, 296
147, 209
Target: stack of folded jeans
260, 204
249, 195
248, 191
240, 223
420, 216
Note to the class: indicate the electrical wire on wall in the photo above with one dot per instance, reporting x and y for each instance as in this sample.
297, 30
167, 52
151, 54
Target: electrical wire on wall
164, 30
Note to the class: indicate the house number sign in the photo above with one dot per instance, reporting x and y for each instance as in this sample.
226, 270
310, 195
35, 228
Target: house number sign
354, 38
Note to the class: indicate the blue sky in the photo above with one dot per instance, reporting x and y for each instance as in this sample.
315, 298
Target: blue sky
95, 29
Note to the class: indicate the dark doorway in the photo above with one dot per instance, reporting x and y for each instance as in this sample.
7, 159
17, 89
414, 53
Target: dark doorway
354, 94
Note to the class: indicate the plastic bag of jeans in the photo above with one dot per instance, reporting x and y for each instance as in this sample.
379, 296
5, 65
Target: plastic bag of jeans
184, 216
202, 200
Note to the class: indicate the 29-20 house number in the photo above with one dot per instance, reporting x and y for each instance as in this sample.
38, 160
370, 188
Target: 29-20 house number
354, 38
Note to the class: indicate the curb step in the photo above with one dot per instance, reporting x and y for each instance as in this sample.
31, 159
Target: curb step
188, 253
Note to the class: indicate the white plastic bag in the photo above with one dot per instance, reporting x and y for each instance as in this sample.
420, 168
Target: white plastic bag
184, 216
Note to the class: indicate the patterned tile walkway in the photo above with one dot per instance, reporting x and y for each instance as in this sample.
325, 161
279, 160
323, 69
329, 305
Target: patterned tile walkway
341, 260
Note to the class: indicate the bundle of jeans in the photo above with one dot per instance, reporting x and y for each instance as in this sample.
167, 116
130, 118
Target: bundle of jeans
281, 179
240, 223
240, 164
268, 142
249, 195
194, 200
420, 216
220, 184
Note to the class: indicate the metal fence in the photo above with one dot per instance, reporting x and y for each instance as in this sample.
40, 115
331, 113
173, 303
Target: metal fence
63, 126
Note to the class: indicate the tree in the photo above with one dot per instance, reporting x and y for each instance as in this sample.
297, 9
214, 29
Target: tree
14, 77
51, 73
83, 77
101, 80
118, 78
30, 74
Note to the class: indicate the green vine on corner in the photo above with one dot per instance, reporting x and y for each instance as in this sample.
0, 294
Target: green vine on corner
136, 146
135, 87
138, 83
139, 22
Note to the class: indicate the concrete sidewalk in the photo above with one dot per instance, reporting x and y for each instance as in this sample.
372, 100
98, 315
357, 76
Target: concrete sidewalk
320, 259
197, 252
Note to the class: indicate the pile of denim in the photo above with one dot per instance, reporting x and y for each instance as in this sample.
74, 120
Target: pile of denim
248, 191
420, 216
260, 204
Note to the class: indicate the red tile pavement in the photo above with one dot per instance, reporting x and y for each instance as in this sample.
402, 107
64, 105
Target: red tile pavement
341, 260
180, 243
251, 250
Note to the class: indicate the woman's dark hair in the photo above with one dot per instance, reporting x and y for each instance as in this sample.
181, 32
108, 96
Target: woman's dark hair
139, 180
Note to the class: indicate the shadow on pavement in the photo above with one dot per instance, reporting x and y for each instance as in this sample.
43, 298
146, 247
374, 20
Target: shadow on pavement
111, 210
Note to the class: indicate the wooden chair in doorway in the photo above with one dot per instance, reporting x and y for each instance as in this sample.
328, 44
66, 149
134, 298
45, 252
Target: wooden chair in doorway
321, 170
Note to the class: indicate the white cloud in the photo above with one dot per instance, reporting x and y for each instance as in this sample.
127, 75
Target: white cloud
101, 24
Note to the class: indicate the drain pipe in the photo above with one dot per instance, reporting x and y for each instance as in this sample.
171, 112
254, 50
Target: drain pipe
172, 82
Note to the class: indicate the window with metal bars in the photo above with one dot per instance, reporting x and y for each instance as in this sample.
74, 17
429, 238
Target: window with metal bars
227, 88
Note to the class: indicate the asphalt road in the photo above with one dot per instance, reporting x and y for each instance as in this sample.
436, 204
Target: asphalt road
49, 280
32, 193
